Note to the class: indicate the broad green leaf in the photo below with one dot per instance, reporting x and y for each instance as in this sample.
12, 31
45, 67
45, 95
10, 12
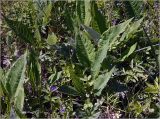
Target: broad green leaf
80, 10
118, 29
101, 81
37, 35
47, 13
77, 83
99, 20
134, 27
15, 76
136, 106
151, 89
94, 35
128, 52
34, 70
21, 30
131, 30
19, 97
105, 43
133, 8
14, 82
68, 90
52, 39
84, 49
88, 15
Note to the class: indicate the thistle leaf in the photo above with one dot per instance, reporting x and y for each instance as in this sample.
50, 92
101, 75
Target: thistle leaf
85, 49
21, 30
128, 52
101, 81
14, 82
108, 38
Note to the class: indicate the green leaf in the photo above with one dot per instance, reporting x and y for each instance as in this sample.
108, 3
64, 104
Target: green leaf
94, 35
19, 113
131, 30
54, 77
101, 81
133, 8
108, 39
19, 97
151, 89
80, 10
14, 82
68, 90
37, 35
77, 83
137, 107
47, 13
1, 73
34, 70
21, 30
99, 20
84, 49
1, 80
15, 76
128, 52
2, 83
88, 15
52, 39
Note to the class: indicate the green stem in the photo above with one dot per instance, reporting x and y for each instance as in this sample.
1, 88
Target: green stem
8, 107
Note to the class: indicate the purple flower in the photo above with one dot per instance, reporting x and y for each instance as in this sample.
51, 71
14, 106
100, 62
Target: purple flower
62, 109
113, 22
53, 88
6, 62
156, 5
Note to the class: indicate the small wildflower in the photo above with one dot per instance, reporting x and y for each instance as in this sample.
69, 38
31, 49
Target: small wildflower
114, 22
6, 62
62, 109
53, 88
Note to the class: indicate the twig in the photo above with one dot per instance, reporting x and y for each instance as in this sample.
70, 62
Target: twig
147, 47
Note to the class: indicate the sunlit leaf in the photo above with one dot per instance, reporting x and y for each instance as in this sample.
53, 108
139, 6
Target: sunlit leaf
151, 89
107, 39
47, 13
85, 49
15, 76
94, 35
88, 15
101, 81
128, 52
77, 83
52, 39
